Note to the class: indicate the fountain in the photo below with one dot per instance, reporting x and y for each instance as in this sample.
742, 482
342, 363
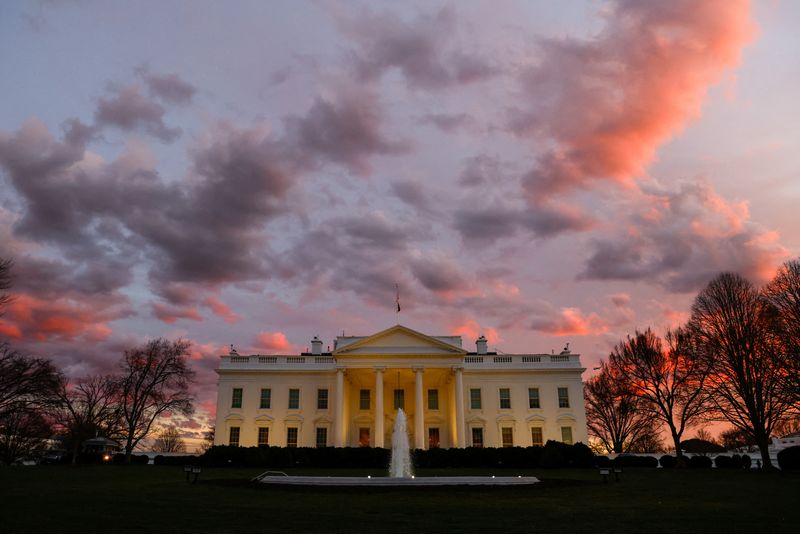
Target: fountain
400, 472
400, 464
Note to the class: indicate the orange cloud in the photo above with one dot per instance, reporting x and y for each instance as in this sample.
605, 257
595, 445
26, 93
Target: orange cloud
572, 322
471, 330
31, 318
221, 309
272, 341
170, 314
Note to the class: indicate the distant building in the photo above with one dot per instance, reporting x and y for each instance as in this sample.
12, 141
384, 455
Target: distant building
349, 396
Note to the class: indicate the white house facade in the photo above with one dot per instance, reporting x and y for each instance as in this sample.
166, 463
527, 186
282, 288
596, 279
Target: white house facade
348, 397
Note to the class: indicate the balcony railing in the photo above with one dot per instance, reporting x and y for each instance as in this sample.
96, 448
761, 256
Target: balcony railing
471, 361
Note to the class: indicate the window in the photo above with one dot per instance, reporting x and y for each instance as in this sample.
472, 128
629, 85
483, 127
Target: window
399, 399
566, 434
508, 436
533, 398
563, 398
294, 399
505, 399
363, 399
266, 399
236, 399
433, 399
263, 435
291, 436
536, 436
477, 437
475, 399
322, 399
233, 437
363, 436
433, 438
322, 436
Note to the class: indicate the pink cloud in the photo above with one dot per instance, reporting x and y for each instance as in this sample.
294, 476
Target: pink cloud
30, 318
571, 322
221, 309
169, 314
470, 330
272, 341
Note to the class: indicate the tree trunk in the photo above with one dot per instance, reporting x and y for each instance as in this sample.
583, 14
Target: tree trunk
763, 447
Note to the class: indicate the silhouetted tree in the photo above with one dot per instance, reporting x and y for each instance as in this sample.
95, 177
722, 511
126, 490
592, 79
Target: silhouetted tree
783, 294
669, 381
87, 409
169, 440
614, 414
736, 438
155, 379
23, 433
734, 326
208, 439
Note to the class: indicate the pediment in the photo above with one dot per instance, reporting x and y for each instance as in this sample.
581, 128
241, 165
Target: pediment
399, 340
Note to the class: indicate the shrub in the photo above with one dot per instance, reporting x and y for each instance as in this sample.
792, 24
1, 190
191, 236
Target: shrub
736, 461
631, 460
602, 461
789, 458
176, 460
668, 461
723, 462
700, 462
746, 461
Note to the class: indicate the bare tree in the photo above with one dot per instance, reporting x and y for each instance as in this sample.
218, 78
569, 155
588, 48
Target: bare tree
783, 294
155, 379
88, 409
705, 435
734, 438
669, 381
734, 326
208, 439
25, 381
614, 414
22, 433
5, 283
169, 440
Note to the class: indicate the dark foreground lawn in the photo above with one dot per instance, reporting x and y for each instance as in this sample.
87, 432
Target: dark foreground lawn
158, 499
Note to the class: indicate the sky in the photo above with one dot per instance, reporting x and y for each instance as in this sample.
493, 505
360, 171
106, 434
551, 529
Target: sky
258, 173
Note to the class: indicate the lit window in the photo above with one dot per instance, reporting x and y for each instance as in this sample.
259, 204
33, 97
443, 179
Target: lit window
399, 399
536, 437
322, 436
475, 399
566, 434
563, 398
263, 435
363, 437
433, 399
433, 438
508, 436
505, 399
291, 436
266, 399
236, 399
477, 437
233, 437
533, 398
322, 399
294, 399
363, 399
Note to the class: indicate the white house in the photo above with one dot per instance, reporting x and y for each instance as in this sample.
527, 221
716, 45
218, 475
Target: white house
349, 396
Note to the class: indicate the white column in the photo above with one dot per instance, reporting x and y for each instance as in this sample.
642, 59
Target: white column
338, 430
379, 407
419, 418
459, 390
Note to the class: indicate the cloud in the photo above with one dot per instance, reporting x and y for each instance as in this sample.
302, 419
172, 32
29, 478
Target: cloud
127, 109
470, 329
606, 104
273, 341
345, 130
170, 88
449, 122
412, 193
570, 322
169, 314
424, 49
682, 238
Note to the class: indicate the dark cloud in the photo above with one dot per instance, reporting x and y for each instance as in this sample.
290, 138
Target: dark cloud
438, 273
169, 87
412, 193
481, 170
497, 221
449, 122
486, 224
422, 49
127, 109
347, 132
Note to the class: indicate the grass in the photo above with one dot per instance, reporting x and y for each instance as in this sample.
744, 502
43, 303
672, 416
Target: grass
158, 499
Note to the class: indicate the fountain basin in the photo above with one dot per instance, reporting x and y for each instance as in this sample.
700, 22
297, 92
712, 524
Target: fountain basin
416, 482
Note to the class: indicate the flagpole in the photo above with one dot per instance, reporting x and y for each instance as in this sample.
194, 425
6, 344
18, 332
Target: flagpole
397, 301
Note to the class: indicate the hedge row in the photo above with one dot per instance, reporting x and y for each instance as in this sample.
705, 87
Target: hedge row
553, 454
789, 458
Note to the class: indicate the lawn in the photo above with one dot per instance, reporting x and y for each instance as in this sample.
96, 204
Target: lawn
158, 499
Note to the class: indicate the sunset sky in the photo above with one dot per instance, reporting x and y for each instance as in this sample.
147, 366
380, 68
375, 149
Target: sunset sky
257, 173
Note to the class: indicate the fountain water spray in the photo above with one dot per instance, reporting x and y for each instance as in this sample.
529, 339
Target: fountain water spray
400, 465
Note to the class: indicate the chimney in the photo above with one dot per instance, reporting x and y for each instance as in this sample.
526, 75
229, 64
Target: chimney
316, 346
481, 344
